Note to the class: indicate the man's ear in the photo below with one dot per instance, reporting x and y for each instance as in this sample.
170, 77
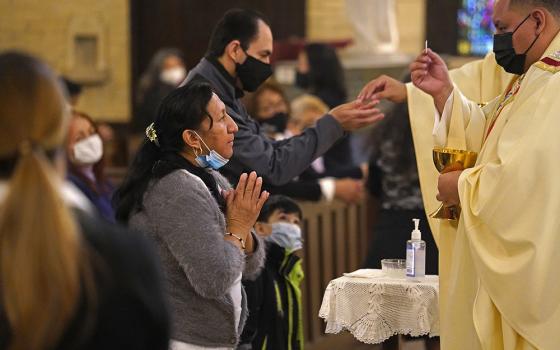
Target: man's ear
190, 139
234, 51
540, 19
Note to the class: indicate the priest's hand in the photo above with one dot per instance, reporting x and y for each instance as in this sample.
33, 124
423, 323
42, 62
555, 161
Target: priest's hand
384, 87
448, 191
429, 73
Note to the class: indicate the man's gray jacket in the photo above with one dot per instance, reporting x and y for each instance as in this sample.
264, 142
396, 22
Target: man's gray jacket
277, 162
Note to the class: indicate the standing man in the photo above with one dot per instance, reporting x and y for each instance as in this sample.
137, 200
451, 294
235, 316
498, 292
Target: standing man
479, 81
238, 59
502, 291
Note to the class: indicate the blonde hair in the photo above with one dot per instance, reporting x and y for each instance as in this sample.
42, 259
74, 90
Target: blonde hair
304, 104
40, 246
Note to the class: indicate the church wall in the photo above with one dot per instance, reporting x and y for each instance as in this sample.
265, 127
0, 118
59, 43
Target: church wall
86, 40
326, 20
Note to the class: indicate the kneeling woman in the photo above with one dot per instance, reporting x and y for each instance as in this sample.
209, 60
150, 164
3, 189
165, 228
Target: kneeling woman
201, 226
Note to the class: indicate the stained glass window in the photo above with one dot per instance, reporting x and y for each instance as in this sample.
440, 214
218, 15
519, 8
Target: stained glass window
475, 27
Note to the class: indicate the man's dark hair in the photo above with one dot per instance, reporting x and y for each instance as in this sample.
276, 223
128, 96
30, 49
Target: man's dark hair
283, 203
236, 24
551, 5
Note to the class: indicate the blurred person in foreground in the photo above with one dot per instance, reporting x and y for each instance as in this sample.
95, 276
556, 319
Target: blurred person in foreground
67, 279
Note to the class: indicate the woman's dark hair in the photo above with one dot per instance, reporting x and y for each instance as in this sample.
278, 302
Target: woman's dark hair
100, 185
184, 108
236, 24
396, 128
325, 71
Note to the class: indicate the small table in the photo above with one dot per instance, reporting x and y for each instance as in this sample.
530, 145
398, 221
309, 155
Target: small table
374, 307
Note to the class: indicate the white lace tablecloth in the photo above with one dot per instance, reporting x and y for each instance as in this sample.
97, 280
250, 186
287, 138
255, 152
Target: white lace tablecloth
374, 307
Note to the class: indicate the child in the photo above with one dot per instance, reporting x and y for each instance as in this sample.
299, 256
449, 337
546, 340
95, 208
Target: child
274, 298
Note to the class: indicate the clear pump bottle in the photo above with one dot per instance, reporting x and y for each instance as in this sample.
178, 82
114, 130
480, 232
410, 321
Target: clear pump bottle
416, 253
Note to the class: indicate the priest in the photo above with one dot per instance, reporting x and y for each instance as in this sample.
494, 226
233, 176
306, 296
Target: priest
500, 289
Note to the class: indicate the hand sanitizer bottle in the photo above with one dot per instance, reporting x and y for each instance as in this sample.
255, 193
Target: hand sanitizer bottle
416, 253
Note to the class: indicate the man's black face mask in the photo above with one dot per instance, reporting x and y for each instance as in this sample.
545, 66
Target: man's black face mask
277, 123
252, 73
505, 53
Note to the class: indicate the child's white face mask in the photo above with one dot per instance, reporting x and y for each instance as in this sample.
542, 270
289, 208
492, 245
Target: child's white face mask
286, 235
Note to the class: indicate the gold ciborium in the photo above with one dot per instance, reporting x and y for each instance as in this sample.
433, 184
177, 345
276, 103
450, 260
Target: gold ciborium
447, 160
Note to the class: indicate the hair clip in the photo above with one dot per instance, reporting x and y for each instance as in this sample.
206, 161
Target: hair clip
151, 134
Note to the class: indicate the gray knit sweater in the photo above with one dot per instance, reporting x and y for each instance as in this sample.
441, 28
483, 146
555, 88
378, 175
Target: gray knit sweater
188, 229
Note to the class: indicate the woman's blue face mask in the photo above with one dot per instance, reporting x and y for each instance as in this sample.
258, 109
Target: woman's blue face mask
211, 160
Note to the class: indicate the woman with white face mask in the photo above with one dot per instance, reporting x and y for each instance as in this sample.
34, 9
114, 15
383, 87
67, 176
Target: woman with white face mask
84, 151
164, 73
